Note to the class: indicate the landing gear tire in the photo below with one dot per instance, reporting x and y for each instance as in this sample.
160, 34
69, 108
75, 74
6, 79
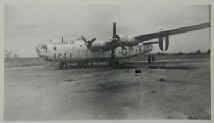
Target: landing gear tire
149, 59
63, 65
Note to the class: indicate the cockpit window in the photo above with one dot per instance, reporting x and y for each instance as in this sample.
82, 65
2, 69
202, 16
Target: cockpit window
44, 47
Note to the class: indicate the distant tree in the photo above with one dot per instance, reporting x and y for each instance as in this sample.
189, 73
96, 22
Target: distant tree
198, 52
8, 54
158, 53
208, 51
16, 55
180, 53
191, 53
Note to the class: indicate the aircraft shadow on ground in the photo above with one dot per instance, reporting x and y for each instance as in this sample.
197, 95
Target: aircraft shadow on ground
132, 66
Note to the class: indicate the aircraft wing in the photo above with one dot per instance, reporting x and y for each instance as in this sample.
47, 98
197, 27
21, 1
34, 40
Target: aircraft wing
180, 30
162, 36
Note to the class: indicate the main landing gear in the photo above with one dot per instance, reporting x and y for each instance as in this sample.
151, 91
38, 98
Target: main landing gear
63, 65
151, 58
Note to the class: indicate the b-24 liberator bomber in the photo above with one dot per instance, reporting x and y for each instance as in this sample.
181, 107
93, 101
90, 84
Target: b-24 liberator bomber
86, 51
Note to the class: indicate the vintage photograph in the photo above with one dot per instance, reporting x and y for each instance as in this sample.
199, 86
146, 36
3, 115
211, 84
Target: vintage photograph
106, 60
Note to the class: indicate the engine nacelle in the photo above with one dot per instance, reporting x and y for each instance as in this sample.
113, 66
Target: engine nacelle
127, 38
164, 43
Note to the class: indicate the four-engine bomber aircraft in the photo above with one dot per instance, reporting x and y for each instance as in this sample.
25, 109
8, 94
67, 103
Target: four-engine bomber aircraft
117, 48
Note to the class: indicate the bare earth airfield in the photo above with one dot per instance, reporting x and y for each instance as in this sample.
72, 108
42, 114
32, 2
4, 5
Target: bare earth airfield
174, 90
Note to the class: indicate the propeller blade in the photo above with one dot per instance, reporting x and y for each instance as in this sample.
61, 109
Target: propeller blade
114, 30
93, 39
62, 39
83, 38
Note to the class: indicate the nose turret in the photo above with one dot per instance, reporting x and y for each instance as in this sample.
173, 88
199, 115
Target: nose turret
41, 50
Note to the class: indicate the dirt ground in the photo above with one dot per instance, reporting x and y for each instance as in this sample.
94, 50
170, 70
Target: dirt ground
35, 92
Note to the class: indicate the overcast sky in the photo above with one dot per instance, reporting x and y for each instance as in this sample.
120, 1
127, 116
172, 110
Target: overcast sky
29, 23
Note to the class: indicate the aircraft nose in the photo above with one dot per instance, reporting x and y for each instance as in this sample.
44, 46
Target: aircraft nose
41, 50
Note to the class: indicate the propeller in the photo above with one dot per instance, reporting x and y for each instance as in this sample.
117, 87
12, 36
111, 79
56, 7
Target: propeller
115, 41
88, 42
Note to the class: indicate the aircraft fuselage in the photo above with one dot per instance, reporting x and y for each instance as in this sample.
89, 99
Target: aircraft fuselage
78, 52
